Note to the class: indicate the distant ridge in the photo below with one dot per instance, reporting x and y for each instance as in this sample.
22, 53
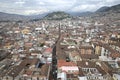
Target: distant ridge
15, 17
11, 17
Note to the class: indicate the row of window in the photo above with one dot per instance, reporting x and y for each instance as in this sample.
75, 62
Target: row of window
89, 69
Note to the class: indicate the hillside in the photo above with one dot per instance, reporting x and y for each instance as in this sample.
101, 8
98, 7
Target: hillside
102, 9
82, 14
11, 17
57, 16
115, 8
16, 17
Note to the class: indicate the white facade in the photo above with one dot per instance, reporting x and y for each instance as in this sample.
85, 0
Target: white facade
70, 68
62, 76
82, 78
116, 76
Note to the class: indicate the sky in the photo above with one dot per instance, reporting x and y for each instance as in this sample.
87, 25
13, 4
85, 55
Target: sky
30, 7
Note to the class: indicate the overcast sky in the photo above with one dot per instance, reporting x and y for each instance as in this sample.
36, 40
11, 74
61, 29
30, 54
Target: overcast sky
28, 7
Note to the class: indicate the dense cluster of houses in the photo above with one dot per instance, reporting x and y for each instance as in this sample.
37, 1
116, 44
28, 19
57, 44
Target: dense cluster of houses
86, 50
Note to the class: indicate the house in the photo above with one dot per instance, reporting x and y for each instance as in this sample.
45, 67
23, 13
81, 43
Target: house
92, 70
86, 49
28, 70
89, 56
74, 56
25, 31
47, 51
105, 51
97, 48
27, 63
68, 67
81, 75
62, 76
72, 77
37, 73
116, 76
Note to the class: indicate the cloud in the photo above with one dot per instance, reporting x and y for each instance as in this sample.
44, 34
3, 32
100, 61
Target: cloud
27, 7
20, 2
83, 8
58, 4
30, 12
92, 5
41, 3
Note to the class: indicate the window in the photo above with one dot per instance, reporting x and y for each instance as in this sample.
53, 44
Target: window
88, 77
96, 77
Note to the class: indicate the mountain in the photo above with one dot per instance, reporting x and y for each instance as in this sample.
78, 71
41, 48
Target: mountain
37, 17
11, 17
57, 16
115, 8
16, 17
87, 13
102, 9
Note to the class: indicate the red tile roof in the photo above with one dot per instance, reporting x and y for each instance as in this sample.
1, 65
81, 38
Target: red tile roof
48, 50
64, 63
114, 55
86, 64
28, 44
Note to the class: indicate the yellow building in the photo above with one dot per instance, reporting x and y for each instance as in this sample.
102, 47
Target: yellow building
8, 46
25, 31
98, 50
